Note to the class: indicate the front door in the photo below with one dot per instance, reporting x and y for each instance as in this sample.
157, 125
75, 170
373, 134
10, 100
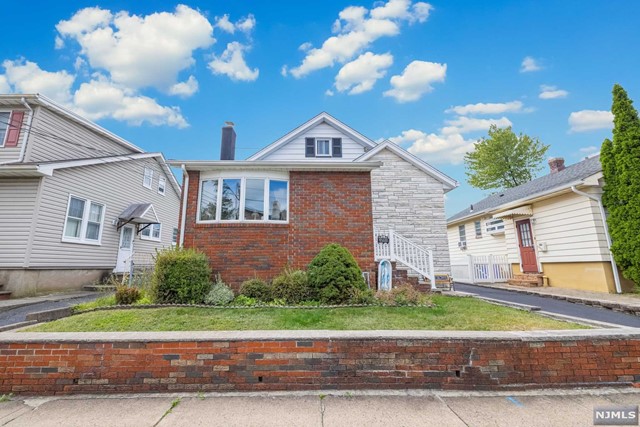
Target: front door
125, 250
527, 250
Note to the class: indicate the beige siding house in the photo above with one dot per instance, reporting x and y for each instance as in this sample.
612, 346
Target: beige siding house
407, 193
69, 190
550, 230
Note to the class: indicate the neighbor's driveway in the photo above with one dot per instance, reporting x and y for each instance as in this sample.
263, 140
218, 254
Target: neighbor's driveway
10, 315
554, 306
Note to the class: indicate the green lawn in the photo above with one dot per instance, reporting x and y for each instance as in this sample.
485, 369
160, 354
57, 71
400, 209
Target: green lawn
450, 313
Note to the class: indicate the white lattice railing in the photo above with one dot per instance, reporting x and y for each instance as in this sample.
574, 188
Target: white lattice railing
482, 269
394, 247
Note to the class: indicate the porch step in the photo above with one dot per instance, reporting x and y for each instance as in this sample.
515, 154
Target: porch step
526, 280
5, 295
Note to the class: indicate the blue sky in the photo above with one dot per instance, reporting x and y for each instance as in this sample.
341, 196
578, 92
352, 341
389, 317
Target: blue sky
430, 76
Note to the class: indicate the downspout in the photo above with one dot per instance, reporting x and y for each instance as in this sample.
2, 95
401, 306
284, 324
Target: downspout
25, 136
614, 267
185, 193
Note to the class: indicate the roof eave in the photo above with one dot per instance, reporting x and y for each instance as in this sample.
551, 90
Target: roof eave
211, 165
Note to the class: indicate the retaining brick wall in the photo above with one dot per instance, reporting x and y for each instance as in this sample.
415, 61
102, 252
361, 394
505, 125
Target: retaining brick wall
325, 207
143, 365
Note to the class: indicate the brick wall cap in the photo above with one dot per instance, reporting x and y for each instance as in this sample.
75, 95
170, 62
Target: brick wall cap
197, 336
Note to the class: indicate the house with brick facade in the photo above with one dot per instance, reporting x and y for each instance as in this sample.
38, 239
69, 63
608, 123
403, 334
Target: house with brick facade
321, 183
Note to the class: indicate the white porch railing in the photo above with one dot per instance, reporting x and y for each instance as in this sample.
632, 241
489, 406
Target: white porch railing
482, 269
396, 248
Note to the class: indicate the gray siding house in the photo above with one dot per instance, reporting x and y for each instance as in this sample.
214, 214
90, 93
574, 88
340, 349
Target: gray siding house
76, 201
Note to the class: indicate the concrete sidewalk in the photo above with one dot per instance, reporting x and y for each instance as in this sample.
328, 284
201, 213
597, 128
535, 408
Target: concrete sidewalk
10, 304
360, 408
620, 302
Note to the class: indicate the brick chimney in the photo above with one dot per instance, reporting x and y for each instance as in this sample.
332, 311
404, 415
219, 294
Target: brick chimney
228, 142
556, 164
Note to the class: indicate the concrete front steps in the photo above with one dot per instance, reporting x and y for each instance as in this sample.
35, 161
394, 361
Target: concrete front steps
527, 280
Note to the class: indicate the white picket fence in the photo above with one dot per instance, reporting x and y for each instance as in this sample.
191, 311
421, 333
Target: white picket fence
482, 269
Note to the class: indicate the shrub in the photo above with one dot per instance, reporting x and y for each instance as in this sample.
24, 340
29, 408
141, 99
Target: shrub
220, 294
126, 295
256, 288
403, 295
334, 274
181, 276
359, 296
292, 286
242, 300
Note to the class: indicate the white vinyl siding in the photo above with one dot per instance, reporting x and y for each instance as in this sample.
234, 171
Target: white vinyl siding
116, 185
55, 137
17, 205
295, 149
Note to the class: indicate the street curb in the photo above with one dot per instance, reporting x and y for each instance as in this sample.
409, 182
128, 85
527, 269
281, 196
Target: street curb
604, 304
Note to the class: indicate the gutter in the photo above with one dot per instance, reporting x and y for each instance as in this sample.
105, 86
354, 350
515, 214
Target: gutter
25, 136
185, 193
614, 267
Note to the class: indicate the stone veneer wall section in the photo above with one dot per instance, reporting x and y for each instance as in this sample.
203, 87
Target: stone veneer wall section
46, 364
410, 202
324, 207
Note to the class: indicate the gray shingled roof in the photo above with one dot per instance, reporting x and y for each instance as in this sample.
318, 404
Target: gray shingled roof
575, 172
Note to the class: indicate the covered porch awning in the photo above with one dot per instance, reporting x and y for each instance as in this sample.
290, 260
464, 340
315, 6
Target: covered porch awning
142, 215
519, 211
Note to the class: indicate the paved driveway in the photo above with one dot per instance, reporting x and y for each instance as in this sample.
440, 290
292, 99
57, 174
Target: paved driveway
19, 314
554, 306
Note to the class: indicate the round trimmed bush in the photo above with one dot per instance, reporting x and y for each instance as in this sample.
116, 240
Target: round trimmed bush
334, 275
257, 289
220, 294
291, 286
181, 276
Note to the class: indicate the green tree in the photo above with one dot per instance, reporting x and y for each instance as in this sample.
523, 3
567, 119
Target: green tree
503, 159
620, 160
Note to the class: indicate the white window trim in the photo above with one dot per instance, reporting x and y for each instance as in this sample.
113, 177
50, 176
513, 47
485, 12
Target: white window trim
82, 240
4, 140
144, 178
150, 237
330, 147
164, 186
267, 179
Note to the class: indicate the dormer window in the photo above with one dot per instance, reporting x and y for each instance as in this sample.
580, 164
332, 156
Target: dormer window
323, 147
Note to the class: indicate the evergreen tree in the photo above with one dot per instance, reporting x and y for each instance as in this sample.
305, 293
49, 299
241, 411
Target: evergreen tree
620, 160
503, 160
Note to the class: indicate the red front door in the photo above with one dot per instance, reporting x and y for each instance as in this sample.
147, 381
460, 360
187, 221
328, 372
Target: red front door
527, 251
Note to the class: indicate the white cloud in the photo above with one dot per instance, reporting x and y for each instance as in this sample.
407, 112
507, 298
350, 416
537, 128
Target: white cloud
435, 148
101, 98
416, 80
139, 51
530, 64
464, 125
27, 77
4, 84
284, 71
361, 74
225, 25
356, 32
59, 43
245, 25
552, 92
232, 63
304, 47
185, 89
329, 92
588, 120
487, 108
